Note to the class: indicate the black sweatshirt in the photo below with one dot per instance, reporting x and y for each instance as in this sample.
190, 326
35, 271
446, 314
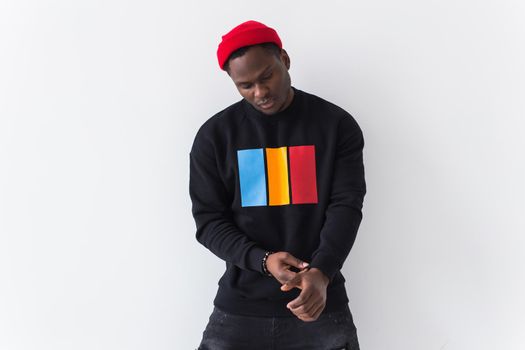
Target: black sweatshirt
292, 181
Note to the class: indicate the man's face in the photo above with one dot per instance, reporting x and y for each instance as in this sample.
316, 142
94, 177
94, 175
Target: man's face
263, 79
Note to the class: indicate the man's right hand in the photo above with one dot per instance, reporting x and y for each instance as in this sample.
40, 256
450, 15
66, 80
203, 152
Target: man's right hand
279, 264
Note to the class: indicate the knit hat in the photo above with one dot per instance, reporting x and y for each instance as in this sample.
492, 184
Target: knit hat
245, 34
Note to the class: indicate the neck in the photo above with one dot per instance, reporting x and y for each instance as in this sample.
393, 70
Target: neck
289, 98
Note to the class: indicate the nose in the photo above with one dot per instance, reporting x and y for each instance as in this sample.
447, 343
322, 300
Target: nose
260, 91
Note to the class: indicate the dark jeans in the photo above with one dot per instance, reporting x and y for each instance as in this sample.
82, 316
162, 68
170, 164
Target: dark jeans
331, 331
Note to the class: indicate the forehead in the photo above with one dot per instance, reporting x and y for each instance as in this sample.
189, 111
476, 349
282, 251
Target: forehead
253, 63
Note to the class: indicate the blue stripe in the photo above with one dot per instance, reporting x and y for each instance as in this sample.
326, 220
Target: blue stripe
252, 177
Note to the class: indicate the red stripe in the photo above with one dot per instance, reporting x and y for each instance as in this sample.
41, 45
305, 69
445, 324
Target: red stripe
302, 174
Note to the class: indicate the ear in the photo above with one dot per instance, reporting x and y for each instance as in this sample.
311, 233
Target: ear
285, 58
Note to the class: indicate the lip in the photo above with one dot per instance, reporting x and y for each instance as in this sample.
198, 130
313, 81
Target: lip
267, 105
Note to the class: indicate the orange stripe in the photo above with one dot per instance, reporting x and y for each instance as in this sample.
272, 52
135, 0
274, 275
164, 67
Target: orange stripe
277, 163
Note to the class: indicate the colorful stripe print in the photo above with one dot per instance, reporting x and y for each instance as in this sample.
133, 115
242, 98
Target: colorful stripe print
277, 176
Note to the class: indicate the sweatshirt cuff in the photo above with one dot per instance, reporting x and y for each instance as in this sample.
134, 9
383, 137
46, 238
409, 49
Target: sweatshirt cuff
255, 257
327, 264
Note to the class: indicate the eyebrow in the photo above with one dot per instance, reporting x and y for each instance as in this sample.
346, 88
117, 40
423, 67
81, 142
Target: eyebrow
264, 72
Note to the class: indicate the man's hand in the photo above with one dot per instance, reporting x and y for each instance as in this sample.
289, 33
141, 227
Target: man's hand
279, 264
312, 299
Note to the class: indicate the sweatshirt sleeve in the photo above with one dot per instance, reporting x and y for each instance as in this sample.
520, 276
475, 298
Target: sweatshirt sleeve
343, 214
211, 209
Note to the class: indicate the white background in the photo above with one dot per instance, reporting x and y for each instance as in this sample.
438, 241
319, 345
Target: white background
99, 104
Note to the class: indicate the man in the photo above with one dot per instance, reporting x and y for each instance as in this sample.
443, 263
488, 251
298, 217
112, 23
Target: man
277, 186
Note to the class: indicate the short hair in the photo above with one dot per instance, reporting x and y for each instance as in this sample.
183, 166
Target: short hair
269, 47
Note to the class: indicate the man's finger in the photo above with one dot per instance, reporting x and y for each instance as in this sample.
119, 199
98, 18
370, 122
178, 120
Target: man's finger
318, 312
288, 287
295, 282
286, 276
300, 300
292, 283
295, 262
311, 314
306, 311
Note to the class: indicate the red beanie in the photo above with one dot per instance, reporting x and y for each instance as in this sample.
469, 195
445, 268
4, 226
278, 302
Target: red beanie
245, 34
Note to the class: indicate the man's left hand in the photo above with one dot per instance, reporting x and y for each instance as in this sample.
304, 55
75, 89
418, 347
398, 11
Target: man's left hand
312, 299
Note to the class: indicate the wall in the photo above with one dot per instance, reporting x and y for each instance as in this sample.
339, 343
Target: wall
99, 104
